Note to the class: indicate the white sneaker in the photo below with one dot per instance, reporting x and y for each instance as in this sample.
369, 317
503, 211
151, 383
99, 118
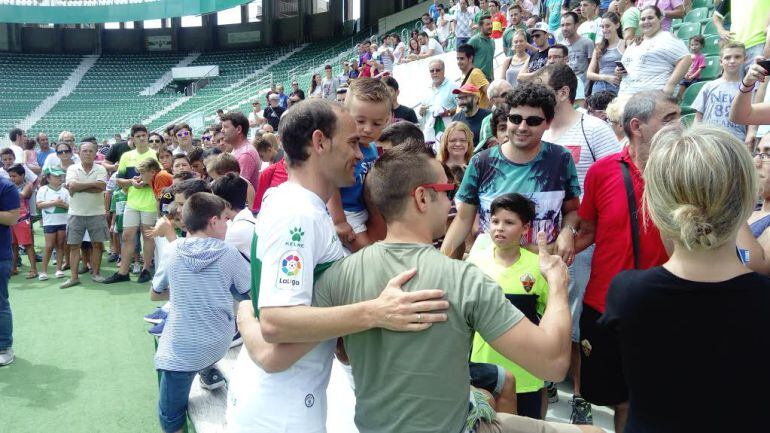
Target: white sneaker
6, 356
60, 274
42, 276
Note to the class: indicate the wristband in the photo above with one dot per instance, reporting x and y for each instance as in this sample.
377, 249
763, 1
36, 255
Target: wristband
744, 86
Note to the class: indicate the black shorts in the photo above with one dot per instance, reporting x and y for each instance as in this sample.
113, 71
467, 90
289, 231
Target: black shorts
601, 368
55, 228
489, 377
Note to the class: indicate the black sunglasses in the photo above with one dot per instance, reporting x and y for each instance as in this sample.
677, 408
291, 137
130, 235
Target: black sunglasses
153, 141
531, 120
62, 152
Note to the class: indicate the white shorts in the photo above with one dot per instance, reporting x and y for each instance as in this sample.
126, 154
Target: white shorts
357, 220
134, 218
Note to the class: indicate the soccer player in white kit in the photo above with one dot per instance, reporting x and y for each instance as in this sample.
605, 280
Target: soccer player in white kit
295, 237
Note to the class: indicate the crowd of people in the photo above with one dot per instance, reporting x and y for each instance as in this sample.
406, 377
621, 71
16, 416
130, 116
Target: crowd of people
549, 221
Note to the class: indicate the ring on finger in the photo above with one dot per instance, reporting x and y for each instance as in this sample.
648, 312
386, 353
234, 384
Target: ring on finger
419, 317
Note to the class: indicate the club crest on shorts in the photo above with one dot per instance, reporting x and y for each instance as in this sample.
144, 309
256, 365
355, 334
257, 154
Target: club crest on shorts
309, 400
586, 346
290, 270
527, 282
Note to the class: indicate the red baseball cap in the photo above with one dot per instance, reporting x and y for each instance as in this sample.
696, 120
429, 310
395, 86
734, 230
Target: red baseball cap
468, 89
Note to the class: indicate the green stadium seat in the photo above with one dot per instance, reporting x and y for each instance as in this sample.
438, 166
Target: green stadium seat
699, 15
711, 71
688, 30
703, 4
687, 119
712, 45
710, 29
689, 97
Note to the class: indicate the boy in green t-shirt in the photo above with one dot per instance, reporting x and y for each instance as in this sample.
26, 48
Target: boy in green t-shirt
517, 271
117, 208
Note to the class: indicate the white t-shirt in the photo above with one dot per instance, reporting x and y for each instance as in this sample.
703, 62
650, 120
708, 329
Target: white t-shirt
592, 30
593, 135
329, 87
295, 235
443, 32
18, 152
432, 45
86, 203
53, 216
52, 160
240, 232
714, 102
254, 117
29, 176
651, 63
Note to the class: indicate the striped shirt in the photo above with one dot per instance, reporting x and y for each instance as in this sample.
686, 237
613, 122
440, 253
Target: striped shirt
588, 140
200, 325
651, 63
463, 23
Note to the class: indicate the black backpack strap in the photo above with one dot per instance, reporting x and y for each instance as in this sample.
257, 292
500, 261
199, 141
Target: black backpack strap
585, 137
632, 210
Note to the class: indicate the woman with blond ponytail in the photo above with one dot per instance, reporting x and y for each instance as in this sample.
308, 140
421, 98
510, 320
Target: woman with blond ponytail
698, 324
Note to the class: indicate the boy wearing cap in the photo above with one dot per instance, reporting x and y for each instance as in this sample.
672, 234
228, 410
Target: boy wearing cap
53, 202
469, 112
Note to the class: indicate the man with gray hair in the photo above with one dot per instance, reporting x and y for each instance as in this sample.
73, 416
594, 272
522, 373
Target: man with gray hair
497, 91
272, 113
439, 104
624, 239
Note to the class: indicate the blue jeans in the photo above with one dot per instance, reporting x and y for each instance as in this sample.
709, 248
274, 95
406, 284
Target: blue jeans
174, 395
6, 318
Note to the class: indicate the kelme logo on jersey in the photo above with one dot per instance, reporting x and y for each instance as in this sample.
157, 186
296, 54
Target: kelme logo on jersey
295, 237
290, 270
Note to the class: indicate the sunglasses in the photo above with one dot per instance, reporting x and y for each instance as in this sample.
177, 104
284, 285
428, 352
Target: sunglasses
62, 152
206, 138
531, 120
434, 71
448, 188
183, 133
155, 140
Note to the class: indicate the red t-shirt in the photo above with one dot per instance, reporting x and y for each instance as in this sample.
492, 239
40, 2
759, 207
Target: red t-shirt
605, 203
499, 23
273, 175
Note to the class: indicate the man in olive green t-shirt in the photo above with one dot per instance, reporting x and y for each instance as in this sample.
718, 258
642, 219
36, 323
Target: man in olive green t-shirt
410, 382
141, 208
485, 47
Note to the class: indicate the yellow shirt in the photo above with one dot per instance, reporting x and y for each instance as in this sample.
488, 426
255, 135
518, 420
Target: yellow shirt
478, 79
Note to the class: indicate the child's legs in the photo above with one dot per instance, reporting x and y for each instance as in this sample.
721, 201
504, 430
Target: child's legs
174, 395
61, 248
15, 252
30, 248
50, 244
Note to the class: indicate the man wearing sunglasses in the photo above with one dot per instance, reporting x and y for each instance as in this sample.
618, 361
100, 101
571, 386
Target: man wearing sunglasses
541, 171
538, 59
407, 382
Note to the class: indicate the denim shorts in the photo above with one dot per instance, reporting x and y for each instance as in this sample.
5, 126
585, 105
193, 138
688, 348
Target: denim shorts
54, 228
174, 394
489, 377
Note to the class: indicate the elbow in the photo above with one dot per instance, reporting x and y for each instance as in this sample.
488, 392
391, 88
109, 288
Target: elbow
268, 361
270, 331
557, 367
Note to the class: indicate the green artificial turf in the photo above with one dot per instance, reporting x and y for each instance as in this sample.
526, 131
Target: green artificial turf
84, 359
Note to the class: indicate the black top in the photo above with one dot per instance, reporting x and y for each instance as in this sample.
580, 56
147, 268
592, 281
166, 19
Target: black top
404, 113
695, 355
300, 93
116, 151
273, 116
473, 122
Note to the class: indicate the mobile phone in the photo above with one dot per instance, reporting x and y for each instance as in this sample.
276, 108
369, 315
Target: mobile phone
620, 65
765, 64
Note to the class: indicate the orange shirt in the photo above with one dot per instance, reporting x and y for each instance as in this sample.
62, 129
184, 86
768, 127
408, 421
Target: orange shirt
160, 181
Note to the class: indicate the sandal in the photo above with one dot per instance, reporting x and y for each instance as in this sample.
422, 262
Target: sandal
16, 272
31, 275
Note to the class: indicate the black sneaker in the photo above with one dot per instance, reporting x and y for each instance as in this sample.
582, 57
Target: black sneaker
553, 393
117, 277
211, 378
144, 276
581, 411
113, 258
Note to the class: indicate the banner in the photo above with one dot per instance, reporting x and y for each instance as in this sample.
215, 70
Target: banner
244, 37
159, 43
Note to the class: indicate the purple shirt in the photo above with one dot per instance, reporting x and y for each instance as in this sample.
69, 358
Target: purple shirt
663, 5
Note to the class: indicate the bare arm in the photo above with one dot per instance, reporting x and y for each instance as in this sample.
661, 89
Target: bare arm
586, 235
393, 309
543, 350
593, 69
273, 358
742, 110
523, 74
759, 256
676, 76
565, 242
676, 13
459, 229
9, 217
504, 67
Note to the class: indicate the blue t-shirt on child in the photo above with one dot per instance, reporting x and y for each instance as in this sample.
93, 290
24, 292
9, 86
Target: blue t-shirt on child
353, 196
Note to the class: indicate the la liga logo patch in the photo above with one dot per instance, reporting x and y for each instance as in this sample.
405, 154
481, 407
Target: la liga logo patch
291, 265
289, 271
